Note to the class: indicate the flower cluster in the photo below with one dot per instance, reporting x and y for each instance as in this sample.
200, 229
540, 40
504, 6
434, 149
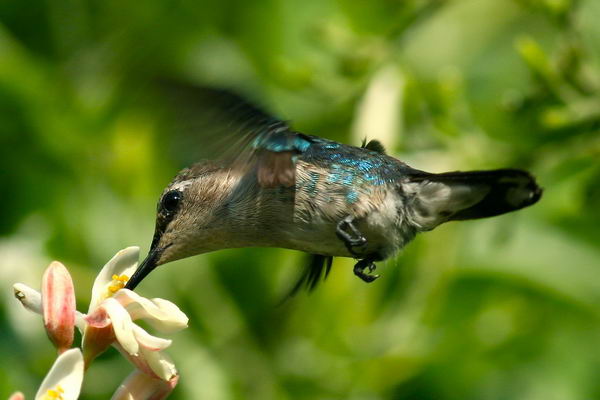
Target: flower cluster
109, 321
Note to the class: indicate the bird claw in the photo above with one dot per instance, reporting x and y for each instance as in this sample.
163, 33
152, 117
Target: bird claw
355, 242
357, 246
359, 270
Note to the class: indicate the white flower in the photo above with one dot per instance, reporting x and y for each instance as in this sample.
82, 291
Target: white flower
111, 315
63, 381
114, 275
113, 310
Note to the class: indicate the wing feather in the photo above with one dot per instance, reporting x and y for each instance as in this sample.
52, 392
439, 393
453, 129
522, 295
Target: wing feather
219, 124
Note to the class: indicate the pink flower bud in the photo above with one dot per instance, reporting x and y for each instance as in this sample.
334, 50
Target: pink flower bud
17, 396
58, 305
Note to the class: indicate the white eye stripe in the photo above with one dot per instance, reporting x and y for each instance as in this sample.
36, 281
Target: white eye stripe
180, 186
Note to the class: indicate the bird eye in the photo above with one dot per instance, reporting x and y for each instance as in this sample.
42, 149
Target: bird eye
170, 201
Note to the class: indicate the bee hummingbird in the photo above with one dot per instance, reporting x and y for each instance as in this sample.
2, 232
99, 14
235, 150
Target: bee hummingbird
296, 191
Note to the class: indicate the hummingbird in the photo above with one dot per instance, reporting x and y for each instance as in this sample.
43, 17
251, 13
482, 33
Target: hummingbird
286, 189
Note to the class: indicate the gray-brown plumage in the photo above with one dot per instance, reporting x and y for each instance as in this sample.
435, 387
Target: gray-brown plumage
291, 190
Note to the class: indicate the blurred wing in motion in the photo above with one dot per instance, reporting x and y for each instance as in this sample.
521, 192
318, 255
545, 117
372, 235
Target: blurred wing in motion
213, 123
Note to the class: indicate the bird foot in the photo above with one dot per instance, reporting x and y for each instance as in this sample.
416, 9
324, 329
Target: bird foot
355, 242
359, 270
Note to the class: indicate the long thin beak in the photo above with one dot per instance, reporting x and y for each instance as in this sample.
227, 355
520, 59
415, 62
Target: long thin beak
147, 266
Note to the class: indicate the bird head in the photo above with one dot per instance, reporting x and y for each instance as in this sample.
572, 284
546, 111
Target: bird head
187, 219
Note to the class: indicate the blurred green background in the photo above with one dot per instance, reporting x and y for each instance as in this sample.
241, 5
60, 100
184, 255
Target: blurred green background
505, 308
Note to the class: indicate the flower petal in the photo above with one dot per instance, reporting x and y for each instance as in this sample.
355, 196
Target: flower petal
122, 325
80, 321
153, 363
159, 313
96, 341
98, 319
98, 335
159, 363
17, 396
136, 360
66, 374
148, 341
58, 305
30, 298
123, 263
140, 386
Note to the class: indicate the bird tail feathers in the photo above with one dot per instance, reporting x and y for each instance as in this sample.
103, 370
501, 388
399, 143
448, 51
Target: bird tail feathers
455, 196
